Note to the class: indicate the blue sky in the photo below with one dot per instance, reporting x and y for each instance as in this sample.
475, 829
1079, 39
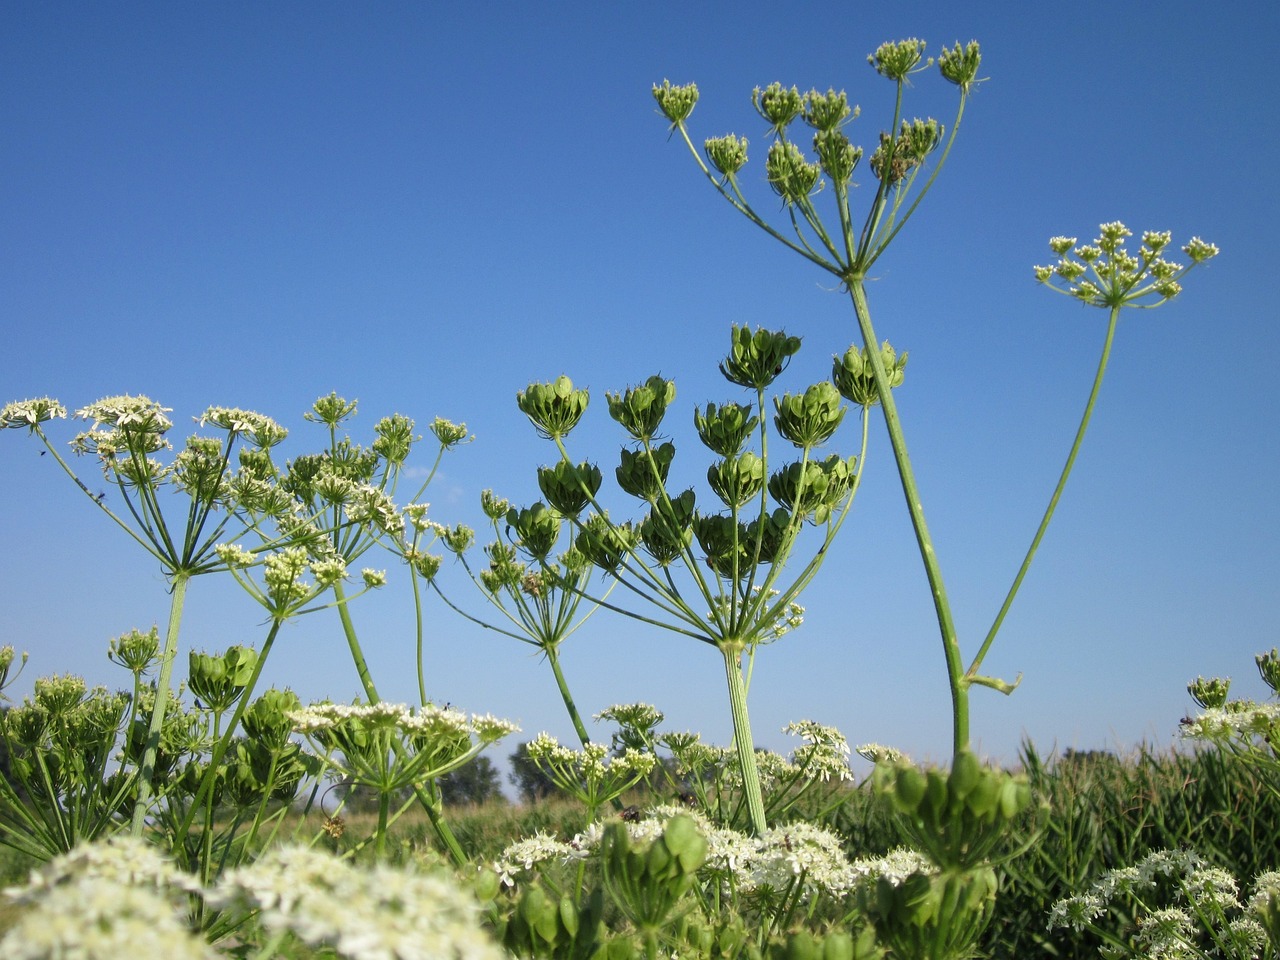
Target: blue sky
427, 208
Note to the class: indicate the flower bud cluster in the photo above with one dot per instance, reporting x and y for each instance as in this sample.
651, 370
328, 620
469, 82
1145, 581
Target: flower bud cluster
728, 154
778, 106
791, 176
960, 65
897, 60
676, 102
1105, 274
897, 156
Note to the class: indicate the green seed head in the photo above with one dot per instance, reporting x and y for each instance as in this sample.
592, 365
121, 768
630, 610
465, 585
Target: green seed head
727, 154
676, 102
757, 359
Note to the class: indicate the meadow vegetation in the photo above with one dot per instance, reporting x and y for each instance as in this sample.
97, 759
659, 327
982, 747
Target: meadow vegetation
203, 816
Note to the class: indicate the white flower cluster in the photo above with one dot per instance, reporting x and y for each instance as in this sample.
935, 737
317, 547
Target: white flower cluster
102, 902
422, 721
1205, 904
121, 898
524, 855
783, 856
380, 913
1236, 720
825, 753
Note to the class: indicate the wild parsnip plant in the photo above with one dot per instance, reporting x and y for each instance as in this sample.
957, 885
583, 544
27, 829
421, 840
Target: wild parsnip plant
1103, 274
714, 575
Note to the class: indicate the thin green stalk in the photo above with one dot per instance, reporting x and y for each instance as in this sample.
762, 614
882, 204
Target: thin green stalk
742, 738
430, 803
959, 684
1057, 494
353, 643
553, 658
147, 770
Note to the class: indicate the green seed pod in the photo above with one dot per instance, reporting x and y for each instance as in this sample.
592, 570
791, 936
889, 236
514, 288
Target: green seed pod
813, 489
569, 488
837, 945
932, 808
981, 801
852, 374
724, 543
800, 945
553, 408
666, 532
757, 359
569, 919
725, 428
908, 788
686, 843
642, 473
640, 409
537, 528
267, 719
809, 419
737, 480
966, 771
604, 544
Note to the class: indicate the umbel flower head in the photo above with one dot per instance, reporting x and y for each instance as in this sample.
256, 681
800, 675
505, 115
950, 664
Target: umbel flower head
1105, 274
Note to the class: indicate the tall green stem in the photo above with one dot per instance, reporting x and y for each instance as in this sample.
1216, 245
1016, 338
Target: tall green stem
147, 773
942, 607
742, 738
1057, 493
553, 658
430, 802
353, 643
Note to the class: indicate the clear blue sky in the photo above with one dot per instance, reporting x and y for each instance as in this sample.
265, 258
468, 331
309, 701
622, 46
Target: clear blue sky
426, 207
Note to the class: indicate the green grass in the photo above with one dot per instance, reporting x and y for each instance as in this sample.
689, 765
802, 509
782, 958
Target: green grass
1106, 811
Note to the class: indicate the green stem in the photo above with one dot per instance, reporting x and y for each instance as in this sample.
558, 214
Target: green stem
353, 642
553, 658
430, 802
1057, 493
742, 738
942, 607
180, 580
